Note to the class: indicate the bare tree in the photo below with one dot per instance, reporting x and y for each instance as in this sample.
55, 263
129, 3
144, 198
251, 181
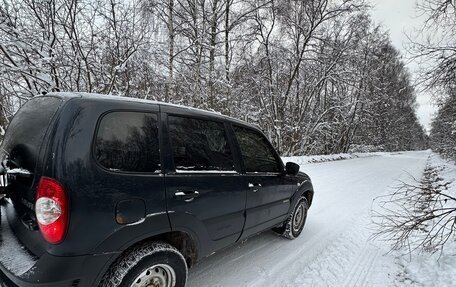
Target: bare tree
436, 46
418, 215
443, 132
316, 75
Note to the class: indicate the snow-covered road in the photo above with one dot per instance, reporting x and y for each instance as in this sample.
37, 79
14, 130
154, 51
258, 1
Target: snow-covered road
334, 248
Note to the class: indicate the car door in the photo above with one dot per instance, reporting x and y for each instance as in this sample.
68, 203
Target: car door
268, 191
204, 191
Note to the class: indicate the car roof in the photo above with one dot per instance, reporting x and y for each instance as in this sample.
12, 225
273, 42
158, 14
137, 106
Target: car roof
184, 109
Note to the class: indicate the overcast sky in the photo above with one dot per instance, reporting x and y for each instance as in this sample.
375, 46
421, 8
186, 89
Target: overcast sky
400, 17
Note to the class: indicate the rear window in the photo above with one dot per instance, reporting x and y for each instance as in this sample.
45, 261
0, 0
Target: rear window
128, 142
27, 130
199, 145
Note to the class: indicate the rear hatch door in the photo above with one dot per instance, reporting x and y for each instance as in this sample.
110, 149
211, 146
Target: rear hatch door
22, 154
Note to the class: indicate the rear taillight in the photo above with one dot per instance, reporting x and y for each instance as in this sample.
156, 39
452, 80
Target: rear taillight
51, 210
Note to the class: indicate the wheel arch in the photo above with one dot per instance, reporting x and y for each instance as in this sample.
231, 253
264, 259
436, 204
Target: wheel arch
308, 194
184, 242
305, 190
181, 240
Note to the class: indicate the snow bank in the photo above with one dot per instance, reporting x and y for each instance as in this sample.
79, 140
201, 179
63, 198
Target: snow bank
330, 157
430, 270
438, 269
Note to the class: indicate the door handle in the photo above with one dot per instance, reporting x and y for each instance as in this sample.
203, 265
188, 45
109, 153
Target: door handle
255, 186
187, 195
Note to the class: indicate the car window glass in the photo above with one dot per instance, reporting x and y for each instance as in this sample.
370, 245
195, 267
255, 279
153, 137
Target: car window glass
199, 145
128, 141
257, 154
27, 130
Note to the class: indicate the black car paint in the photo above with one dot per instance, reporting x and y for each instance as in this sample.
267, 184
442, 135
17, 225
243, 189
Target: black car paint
226, 210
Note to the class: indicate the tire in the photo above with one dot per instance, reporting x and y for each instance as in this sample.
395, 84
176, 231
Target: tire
293, 226
157, 262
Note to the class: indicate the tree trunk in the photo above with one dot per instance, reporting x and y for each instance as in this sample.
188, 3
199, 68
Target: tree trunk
212, 55
227, 58
170, 85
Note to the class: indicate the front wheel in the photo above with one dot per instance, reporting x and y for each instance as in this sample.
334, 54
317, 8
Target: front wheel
293, 226
156, 264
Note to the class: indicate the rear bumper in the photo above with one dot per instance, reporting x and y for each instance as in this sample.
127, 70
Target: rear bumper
24, 269
51, 271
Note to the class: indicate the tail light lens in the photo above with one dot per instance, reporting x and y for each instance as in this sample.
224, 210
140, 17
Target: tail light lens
51, 210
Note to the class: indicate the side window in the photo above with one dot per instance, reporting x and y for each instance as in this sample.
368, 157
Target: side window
128, 141
257, 153
199, 145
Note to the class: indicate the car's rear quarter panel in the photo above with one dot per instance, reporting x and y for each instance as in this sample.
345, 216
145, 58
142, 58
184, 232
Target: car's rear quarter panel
95, 191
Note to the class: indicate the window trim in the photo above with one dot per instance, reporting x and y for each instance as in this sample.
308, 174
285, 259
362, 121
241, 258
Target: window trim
94, 142
174, 171
241, 157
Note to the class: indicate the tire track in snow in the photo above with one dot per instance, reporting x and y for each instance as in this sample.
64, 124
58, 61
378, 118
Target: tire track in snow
333, 249
343, 259
331, 256
266, 246
363, 267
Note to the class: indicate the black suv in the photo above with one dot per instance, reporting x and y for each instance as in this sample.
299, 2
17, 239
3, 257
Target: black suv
112, 191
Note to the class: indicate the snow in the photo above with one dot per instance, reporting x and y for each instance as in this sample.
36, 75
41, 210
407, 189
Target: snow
12, 254
332, 157
429, 271
206, 171
438, 269
335, 248
14, 171
19, 171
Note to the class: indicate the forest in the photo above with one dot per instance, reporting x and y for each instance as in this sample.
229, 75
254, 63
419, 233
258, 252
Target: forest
439, 75
318, 76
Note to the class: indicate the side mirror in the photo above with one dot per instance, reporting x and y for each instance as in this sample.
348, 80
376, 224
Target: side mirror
292, 168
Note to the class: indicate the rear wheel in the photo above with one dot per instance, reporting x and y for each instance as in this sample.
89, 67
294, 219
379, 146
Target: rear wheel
293, 226
158, 275
155, 264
